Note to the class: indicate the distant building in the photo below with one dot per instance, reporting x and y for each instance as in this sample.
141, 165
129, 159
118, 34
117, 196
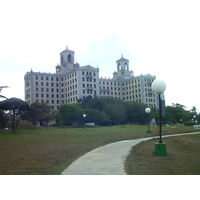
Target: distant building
72, 82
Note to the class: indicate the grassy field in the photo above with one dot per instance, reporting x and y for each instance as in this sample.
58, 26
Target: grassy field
183, 157
50, 151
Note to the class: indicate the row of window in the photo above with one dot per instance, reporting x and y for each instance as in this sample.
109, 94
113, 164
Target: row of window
88, 73
88, 79
89, 91
53, 78
88, 85
47, 84
71, 81
70, 100
117, 83
55, 96
47, 78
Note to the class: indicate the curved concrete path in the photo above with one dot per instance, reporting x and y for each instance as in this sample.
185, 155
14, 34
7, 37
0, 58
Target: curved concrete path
108, 159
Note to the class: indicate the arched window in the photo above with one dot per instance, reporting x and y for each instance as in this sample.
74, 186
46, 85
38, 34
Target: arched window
62, 59
119, 66
69, 58
125, 66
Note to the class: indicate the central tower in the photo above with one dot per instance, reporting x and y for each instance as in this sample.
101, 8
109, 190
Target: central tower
122, 69
122, 66
67, 58
66, 61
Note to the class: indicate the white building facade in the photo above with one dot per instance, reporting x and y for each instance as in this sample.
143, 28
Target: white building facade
72, 82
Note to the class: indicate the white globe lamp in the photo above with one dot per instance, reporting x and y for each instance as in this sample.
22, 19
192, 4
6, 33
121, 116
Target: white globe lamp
158, 86
147, 110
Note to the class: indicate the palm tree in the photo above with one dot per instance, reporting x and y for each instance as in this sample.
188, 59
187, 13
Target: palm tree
1, 87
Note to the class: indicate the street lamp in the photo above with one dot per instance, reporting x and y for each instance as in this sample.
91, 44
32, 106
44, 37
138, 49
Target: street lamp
148, 110
84, 116
194, 118
159, 86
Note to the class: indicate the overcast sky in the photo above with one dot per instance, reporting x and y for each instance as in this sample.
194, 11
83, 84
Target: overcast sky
158, 37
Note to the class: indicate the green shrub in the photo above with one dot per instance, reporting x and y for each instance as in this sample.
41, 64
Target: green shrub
188, 123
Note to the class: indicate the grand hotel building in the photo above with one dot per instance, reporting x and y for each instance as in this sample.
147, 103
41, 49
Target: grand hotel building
72, 82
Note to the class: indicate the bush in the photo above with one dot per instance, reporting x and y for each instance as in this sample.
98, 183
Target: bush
188, 123
4, 119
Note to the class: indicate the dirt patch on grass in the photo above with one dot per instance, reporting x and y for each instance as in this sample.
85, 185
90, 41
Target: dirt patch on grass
183, 157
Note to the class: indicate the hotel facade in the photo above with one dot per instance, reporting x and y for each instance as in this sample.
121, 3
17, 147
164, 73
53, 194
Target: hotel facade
72, 82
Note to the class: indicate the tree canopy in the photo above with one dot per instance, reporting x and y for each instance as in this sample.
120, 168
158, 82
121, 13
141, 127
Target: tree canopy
38, 113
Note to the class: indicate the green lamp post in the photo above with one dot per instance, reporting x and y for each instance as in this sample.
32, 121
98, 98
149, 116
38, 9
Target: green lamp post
148, 110
159, 86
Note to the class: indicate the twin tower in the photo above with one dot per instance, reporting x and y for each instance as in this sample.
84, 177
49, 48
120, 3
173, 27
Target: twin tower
67, 63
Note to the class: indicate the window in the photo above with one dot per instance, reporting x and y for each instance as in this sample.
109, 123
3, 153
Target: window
69, 58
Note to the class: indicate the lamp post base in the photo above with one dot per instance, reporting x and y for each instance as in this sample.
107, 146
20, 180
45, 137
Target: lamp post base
160, 149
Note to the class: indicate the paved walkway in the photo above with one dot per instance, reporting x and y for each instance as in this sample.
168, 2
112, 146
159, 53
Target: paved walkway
108, 159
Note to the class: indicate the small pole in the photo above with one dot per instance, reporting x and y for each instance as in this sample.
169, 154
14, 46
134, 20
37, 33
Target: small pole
160, 116
13, 125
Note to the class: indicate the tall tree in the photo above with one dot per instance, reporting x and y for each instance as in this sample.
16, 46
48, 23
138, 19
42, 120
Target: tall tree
15, 105
136, 113
69, 114
4, 119
38, 113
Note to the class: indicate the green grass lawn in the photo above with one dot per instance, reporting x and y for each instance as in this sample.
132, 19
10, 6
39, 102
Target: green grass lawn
50, 151
183, 157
